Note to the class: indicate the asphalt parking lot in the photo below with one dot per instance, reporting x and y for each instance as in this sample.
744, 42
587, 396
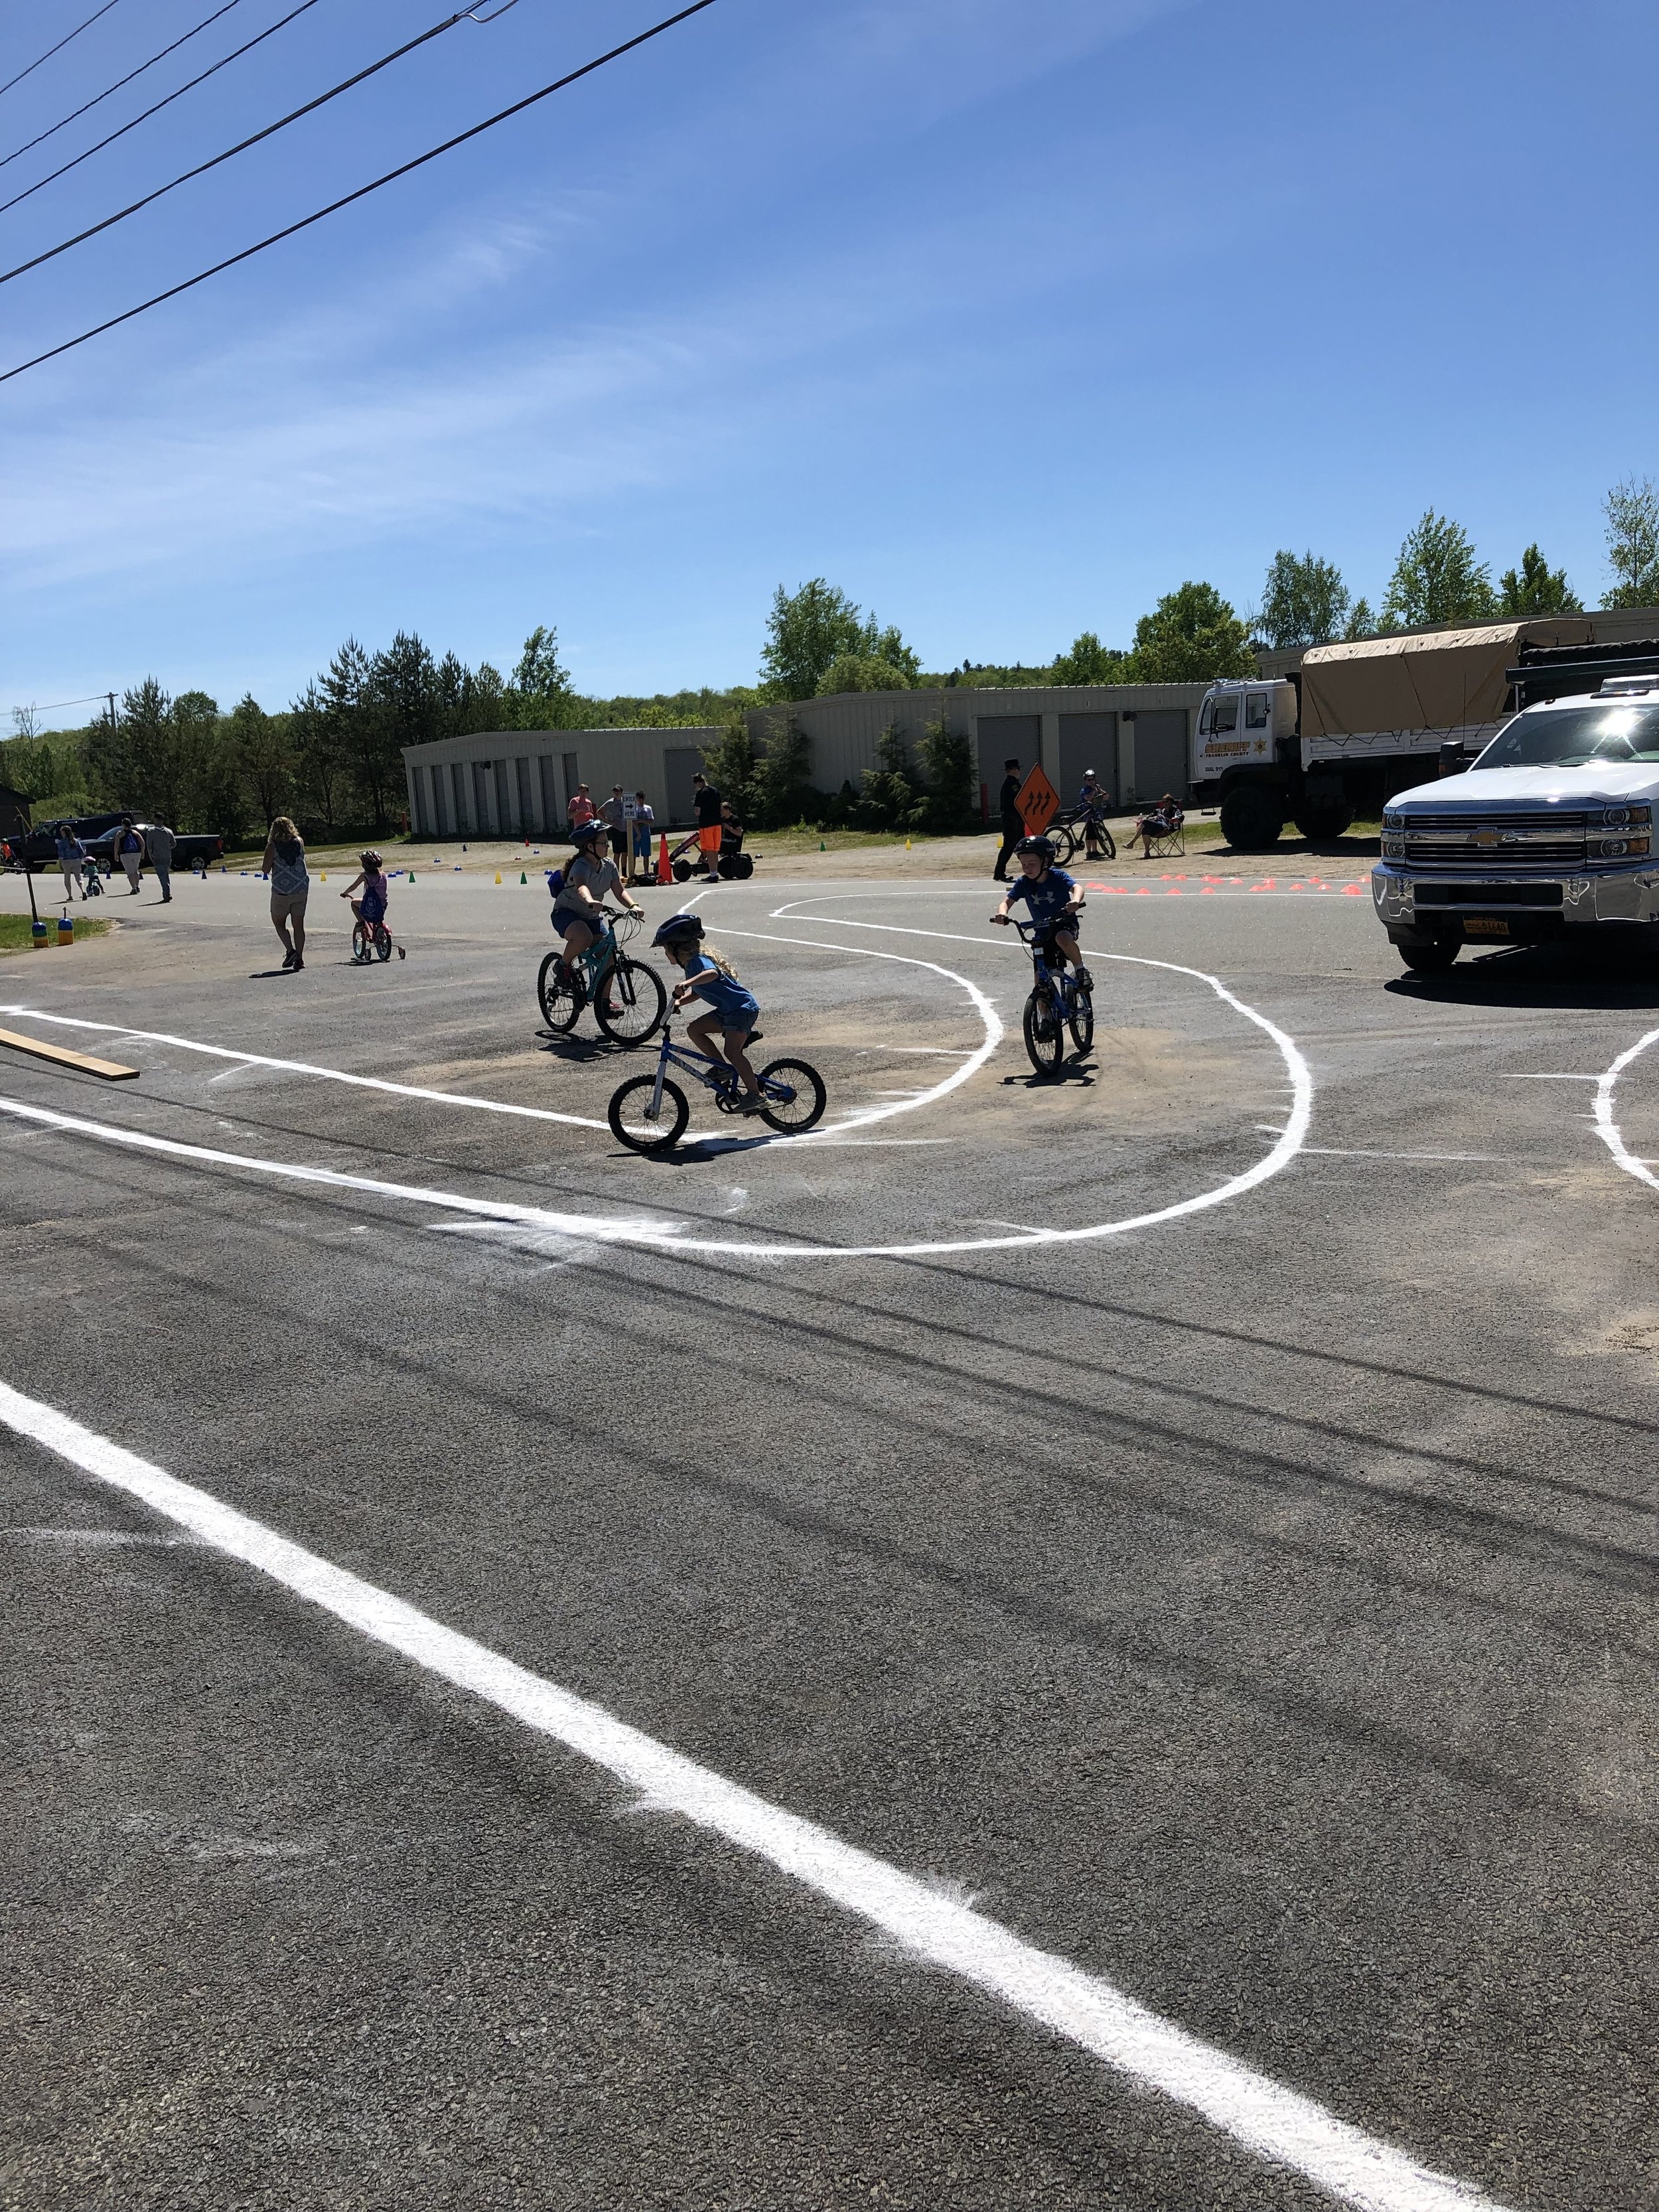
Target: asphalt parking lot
1067, 1645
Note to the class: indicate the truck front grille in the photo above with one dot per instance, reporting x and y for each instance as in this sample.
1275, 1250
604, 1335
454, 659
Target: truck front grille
1555, 840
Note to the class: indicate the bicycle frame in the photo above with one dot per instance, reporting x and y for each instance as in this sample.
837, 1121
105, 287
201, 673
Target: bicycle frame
690, 1062
1060, 981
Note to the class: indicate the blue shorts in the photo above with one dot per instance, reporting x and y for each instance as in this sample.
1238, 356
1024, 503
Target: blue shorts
566, 922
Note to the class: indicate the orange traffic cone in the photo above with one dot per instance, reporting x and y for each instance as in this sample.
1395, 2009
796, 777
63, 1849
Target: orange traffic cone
665, 873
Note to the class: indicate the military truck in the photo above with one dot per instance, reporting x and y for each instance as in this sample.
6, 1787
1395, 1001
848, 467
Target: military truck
1356, 723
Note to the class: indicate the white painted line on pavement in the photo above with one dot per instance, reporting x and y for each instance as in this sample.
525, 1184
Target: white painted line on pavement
1606, 1127
1275, 2122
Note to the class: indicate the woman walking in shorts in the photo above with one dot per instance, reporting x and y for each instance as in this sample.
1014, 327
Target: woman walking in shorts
290, 887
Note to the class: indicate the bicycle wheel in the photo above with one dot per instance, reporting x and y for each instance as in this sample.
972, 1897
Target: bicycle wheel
1063, 838
1045, 1032
793, 1094
362, 949
383, 942
559, 997
1083, 1020
629, 1115
1104, 836
631, 1002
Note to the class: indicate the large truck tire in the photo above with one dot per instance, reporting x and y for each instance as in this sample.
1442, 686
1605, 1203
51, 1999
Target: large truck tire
1252, 816
1432, 958
1322, 824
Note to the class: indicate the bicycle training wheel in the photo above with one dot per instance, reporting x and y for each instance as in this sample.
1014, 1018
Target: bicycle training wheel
1083, 1020
361, 952
631, 1002
1045, 1033
629, 1115
794, 1095
1063, 838
559, 997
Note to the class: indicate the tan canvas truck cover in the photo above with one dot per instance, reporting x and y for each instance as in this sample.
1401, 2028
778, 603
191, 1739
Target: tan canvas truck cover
1453, 679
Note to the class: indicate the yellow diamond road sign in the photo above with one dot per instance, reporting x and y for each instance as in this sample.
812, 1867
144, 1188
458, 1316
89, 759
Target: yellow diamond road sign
1038, 802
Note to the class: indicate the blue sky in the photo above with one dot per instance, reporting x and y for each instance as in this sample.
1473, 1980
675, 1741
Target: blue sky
1006, 315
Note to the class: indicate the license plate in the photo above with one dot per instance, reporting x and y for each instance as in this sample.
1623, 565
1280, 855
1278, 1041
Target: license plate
1483, 926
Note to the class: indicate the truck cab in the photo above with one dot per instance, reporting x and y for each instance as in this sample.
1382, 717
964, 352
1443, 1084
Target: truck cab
1549, 834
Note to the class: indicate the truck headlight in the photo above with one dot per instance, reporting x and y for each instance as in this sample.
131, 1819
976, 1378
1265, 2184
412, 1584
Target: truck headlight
1628, 817
1394, 823
1393, 849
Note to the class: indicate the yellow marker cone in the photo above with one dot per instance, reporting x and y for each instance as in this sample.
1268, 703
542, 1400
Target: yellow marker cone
323, 877
498, 875
907, 844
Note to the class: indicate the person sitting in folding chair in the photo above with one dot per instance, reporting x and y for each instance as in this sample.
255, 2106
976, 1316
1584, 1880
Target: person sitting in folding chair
1161, 831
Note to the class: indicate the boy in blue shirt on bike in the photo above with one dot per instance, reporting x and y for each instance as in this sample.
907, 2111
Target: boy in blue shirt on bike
1052, 899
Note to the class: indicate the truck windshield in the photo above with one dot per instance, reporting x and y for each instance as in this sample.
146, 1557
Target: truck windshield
1220, 714
1574, 735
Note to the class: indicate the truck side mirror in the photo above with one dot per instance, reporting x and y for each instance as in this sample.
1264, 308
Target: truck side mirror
1452, 760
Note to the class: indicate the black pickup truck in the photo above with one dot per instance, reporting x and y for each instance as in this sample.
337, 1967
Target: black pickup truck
39, 850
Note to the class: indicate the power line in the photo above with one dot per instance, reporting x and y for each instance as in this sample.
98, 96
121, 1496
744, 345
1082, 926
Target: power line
58, 48
42, 136
52, 705
236, 54
202, 168
362, 192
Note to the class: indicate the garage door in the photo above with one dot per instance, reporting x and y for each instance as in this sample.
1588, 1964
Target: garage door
679, 766
1005, 737
1160, 754
1087, 741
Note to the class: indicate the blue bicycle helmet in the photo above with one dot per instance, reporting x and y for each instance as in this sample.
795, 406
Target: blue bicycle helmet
584, 832
678, 924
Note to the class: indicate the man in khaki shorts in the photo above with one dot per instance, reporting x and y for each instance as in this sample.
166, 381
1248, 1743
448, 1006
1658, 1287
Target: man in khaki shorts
290, 886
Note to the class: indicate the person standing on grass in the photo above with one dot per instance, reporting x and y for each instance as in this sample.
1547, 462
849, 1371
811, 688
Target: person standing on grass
706, 799
1012, 828
290, 887
128, 848
72, 858
159, 844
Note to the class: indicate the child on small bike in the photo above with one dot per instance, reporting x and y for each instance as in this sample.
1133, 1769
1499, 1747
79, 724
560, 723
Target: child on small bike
370, 909
1052, 899
726, 1029
579, 908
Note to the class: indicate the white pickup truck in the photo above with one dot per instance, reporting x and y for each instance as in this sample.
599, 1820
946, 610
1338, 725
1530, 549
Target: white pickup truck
1550, 833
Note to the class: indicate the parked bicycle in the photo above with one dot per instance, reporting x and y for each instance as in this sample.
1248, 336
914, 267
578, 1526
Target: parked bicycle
627, 997
648, 1112
1056, 1004
1077, 828
372, 941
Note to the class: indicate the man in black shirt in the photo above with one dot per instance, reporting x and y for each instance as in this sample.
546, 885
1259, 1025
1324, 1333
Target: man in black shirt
707, 800
1013, 828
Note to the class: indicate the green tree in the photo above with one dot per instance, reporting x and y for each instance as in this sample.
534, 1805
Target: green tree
1535, 588
1362, 622
1190, 636
1437, 579
264, 747
322, 766
729, 764
808, 628
209, 791
1304, 601
892, 798
134, 758
861, 671
1088, 661
780, 788
948, 756
1632, 516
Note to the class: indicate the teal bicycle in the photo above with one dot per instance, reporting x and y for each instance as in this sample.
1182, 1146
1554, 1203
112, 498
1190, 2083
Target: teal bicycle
627, 997
648, 1112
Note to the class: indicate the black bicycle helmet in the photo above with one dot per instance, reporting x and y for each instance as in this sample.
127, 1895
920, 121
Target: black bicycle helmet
1045, 846
679, 925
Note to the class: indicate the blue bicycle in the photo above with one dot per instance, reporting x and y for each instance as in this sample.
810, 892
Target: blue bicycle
648, 1112
1057, 1003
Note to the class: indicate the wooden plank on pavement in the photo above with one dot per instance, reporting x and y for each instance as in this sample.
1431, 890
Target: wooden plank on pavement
110, 1070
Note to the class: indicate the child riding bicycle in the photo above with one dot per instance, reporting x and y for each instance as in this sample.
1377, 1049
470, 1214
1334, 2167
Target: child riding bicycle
371, 908
726, 1029
578, 913
1052, 899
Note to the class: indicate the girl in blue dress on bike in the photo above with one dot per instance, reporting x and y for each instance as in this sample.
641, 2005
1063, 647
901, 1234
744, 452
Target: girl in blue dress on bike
733, 1009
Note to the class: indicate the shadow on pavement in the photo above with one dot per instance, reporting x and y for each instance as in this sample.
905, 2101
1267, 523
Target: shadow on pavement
1586, 976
